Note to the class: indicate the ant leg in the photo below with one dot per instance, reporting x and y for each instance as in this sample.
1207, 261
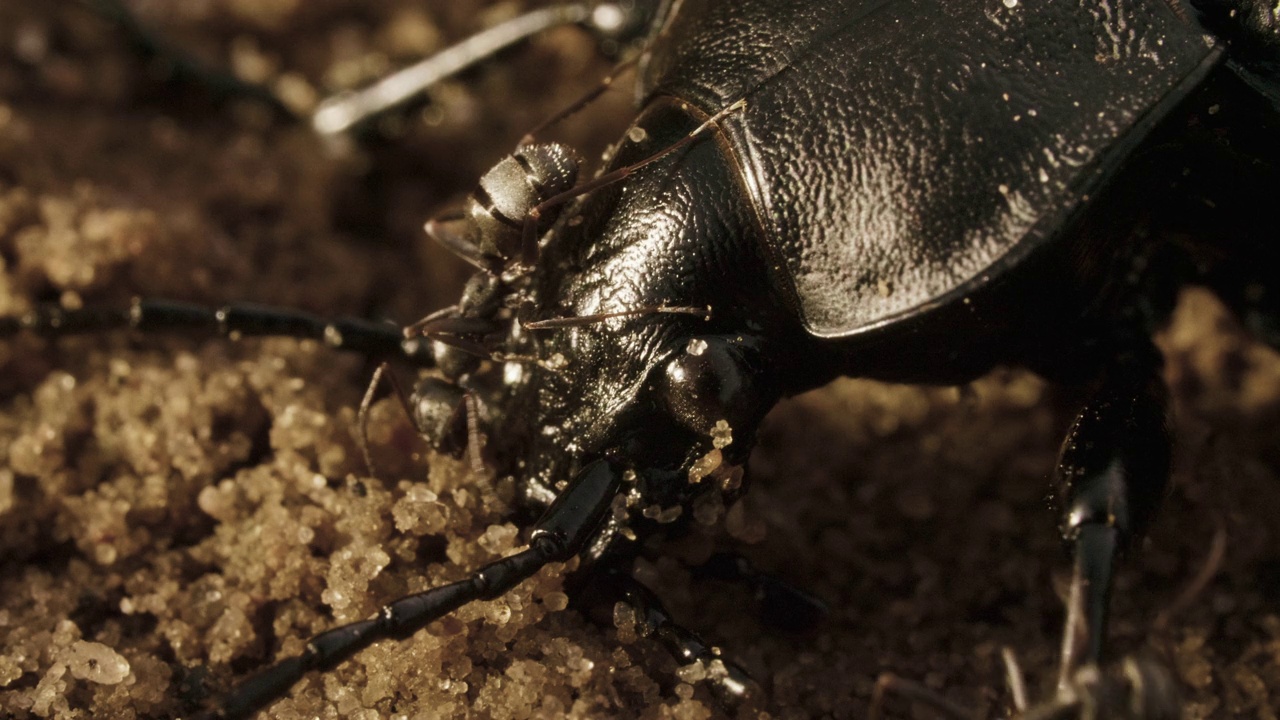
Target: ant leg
163, 316
781, 605
445, 415
562, 532
1112, 473
605, 588
366, 402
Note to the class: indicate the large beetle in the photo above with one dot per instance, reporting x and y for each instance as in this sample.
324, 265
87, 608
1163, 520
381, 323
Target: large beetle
910, 191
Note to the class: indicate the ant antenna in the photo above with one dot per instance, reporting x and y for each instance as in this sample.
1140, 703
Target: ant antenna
366, 402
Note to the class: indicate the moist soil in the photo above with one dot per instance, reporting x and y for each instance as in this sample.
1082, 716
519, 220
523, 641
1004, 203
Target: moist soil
176, 512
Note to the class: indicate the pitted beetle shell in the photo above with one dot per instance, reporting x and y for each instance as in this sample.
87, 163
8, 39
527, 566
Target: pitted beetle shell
939, 159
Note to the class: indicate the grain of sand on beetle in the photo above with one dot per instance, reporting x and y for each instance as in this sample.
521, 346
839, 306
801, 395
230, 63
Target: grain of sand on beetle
175, 513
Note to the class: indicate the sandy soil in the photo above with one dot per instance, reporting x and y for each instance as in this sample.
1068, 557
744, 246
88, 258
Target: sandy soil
174, 513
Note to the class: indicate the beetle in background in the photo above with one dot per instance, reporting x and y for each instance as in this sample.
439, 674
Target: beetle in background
905, 191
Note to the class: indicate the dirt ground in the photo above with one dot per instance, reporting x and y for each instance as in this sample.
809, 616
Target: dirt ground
175, 513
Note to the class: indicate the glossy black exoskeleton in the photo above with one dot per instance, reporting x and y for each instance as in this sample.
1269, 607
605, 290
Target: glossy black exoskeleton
913, 191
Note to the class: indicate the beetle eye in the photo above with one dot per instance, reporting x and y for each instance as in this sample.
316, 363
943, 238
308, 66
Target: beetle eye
709, 381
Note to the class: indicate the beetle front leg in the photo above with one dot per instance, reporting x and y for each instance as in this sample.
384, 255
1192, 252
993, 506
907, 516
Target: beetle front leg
1112, 473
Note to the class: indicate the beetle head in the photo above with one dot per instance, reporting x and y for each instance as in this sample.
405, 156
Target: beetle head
647, 332
652, 319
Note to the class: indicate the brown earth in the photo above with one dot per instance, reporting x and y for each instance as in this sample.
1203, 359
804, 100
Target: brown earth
175, 513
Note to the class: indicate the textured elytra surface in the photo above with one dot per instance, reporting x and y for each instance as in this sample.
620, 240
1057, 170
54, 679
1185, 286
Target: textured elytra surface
928, 142
174, 514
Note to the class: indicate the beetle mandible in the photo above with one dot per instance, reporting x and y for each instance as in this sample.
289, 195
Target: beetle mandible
788, 314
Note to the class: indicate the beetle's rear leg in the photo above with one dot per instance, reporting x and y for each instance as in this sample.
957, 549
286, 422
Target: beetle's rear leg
1112, 474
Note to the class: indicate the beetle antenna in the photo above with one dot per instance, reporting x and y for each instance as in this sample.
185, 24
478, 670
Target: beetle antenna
181, 66
554, 323
235, 321
396, 620
561, 533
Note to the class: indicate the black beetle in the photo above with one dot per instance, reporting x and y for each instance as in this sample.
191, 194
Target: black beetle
1053, 309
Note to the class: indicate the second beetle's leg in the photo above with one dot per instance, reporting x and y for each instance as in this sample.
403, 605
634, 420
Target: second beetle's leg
1112, 474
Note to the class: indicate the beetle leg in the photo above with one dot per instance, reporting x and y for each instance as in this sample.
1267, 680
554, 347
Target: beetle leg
1112, 473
